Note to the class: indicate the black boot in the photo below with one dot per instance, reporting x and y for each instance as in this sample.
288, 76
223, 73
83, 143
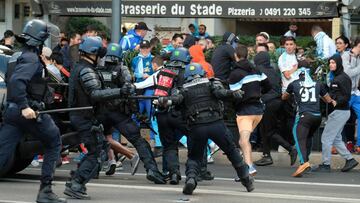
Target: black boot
46, 195
207, 175
189, 186
156, 177
76, 190
293, 155
248, 183
175, 178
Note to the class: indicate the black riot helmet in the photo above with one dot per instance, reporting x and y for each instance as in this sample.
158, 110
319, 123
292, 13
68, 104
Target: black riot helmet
35, 32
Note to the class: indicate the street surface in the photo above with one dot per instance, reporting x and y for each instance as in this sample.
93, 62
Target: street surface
273, 184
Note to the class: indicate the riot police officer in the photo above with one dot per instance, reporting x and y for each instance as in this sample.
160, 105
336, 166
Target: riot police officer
27, 92
117, 113
203, 113
170, 121
86, 89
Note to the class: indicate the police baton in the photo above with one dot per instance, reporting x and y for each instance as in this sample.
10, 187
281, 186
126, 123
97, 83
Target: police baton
65, 110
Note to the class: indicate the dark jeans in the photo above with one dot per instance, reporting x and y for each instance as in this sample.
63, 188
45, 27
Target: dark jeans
304, 129
287, 117
349, 129
217, 132
127, 127
269, 128
13, 129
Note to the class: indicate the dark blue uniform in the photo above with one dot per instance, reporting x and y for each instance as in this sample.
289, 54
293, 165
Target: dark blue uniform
117, 114
203, 113
308, 118
22, 89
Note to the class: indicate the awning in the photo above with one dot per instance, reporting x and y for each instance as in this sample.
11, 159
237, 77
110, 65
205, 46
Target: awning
200, 8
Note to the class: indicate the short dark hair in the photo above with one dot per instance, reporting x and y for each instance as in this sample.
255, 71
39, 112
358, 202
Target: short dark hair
271, 42
104, 36
91, 27
177, 35
64, 39
262, 45
57, 57
154, 41
8, 33
72, 35
282, 40
293, 23
158, 60
202, 25
191, 25
290, 38
241, 51
316, 28
356, 41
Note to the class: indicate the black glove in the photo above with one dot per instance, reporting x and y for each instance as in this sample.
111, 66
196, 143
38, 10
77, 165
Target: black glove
238, 94
128, 89
163, 101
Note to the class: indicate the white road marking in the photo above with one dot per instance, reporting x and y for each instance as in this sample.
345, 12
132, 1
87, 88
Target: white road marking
208, 192
10, 201
232, 179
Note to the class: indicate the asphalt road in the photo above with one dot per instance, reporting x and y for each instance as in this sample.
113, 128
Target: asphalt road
273, 184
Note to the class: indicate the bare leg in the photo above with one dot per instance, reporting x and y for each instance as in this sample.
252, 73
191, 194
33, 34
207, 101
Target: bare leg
119, 148
246, 146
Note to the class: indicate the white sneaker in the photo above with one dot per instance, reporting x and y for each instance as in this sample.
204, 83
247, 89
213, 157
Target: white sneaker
252, 170
282, 149
210, 159
214, 149
35, 163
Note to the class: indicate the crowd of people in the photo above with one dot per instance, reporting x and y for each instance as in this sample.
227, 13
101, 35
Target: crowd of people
276, 101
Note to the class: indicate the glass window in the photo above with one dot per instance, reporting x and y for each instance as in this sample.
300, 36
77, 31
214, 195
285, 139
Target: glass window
2, 10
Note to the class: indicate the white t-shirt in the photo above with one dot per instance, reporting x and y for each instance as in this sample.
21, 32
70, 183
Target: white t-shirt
290, 34
286, 62
54, 71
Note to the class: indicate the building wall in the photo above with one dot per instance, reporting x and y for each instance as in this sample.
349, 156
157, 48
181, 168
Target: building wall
9, 13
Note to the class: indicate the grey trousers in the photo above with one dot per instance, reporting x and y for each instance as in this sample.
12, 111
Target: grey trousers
332, 136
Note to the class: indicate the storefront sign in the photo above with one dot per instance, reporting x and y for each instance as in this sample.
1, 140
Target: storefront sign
203, 9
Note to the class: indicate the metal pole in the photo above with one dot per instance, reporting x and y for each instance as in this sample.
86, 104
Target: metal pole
48, 41
143, 97
116, 21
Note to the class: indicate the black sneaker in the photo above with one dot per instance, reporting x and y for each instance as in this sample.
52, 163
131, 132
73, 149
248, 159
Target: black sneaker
189, 186
248, 183
264, 161
76, 190
323, 168
46, 195
156, 177
111, 169
293, 156
350, 164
